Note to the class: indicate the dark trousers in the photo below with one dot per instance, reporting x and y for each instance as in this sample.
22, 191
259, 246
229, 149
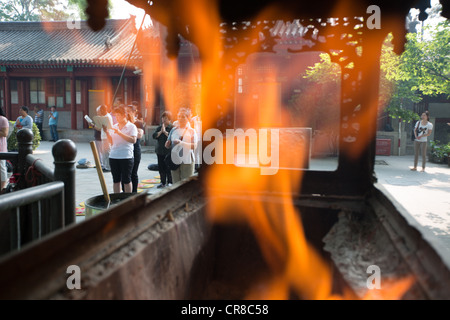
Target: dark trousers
134, 172
164, 171
54, 132
121, 170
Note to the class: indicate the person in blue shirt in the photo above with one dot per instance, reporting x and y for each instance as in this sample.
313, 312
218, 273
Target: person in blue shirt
39, 119
53, 123
24, 120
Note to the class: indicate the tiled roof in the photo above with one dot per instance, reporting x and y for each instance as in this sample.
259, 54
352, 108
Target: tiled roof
288, 29
36, 44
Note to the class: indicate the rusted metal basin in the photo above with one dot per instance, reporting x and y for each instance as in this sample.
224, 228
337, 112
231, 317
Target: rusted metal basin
98, 204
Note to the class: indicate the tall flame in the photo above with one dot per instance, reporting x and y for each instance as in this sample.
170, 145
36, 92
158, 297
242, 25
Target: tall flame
295, 264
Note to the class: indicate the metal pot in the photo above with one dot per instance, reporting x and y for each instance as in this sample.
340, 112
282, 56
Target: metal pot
98, 204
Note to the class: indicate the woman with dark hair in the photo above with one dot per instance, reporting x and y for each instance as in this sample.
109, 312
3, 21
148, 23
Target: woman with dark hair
160, 135
39, 119
182, 141
4, 129
422, 130
131, 114
122, 140
24, 120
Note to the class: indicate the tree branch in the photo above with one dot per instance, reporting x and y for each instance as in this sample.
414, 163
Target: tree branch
436, 73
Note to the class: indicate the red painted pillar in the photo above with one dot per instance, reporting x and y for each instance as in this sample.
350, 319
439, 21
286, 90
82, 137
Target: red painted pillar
85, 99
8, 99
4, 95
73, 102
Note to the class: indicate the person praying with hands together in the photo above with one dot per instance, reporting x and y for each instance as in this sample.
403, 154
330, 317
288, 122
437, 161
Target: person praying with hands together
182, 141
122, 138
160, 135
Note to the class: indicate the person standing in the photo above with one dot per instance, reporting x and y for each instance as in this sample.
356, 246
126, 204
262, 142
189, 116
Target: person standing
24, 120
138, 113
4, 129
160, 135
97, 125
196, 123
39, 119
122, 139
182, 139
106, 147
422, 130
131, 114
53, 123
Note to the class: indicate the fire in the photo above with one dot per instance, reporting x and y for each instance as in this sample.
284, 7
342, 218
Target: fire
296, 266
391, 289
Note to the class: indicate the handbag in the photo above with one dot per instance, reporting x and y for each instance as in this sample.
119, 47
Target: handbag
170, 164
168, 158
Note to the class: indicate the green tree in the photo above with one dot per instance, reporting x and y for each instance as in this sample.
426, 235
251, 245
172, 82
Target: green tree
317, 95
80, 6
395, 92
324, 72
422, 69
426, 62
31, 10
42, 10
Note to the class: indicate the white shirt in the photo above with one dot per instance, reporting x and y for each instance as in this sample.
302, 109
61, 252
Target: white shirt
189, 135
122, 149
423, 129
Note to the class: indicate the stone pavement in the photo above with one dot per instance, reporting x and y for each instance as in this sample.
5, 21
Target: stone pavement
87, 180
424, 195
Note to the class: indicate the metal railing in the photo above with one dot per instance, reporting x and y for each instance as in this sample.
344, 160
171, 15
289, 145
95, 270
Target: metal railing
29, 214
44, 200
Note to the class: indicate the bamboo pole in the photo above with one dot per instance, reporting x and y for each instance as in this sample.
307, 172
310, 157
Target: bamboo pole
98, 166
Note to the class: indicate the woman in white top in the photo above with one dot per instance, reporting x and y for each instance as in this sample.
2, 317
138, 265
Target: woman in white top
4, 129
122, 141
182, 141
422, 130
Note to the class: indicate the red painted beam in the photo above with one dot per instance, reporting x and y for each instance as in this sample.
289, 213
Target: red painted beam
73, 102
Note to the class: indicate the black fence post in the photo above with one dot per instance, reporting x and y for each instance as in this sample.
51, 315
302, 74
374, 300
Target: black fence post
22, 220
25, 147
64, 152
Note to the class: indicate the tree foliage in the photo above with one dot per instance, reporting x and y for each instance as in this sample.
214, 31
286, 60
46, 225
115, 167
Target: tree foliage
422, 69
42, 10
324, 72
426, 62
31, 10
81, 6
318, 95
394, 92
12, 139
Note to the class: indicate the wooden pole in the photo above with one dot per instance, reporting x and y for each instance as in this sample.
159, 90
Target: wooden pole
98, 166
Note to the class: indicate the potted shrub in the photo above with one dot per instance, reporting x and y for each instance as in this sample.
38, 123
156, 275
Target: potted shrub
12, 139
447, 153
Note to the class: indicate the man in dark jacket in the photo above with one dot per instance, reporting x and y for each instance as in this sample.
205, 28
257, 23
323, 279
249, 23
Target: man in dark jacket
160, 135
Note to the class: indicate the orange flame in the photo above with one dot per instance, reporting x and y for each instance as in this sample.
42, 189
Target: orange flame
277, 226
